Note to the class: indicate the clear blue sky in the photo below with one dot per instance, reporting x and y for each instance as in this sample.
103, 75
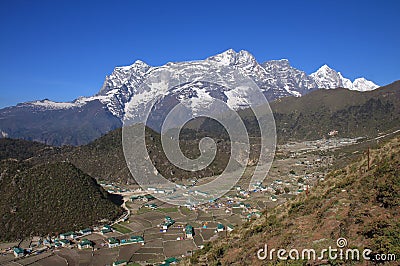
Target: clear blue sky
63, 49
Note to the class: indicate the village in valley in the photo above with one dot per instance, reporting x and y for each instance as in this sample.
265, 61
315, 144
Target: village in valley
157, 233
205, 133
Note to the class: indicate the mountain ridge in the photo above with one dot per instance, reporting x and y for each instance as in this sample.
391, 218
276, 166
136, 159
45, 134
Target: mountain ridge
120, 98
125, 77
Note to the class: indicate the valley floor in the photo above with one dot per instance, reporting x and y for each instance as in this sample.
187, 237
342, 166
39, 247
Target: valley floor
296, 168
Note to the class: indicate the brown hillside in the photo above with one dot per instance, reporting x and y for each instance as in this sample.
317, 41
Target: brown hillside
358, 204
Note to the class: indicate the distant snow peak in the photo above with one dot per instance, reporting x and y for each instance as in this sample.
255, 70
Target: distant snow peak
326, 77
225, 58
325, 68
361, 84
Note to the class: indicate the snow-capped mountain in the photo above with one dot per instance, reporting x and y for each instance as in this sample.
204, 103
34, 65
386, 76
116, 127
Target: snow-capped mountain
326, 77
361, 84
276, 78
288, 79
122, 95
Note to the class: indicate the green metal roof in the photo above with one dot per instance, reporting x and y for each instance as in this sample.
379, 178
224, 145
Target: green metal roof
168, 221
124, 241
85, 242
19, 250
137, 238
106, 230
189, 229
171, 260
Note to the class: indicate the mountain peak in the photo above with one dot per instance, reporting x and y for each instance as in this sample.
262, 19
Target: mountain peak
230, 51
139, 63
362, 84
227, 57
124, 75
136, 65
325, 69
230, 57
328, 78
